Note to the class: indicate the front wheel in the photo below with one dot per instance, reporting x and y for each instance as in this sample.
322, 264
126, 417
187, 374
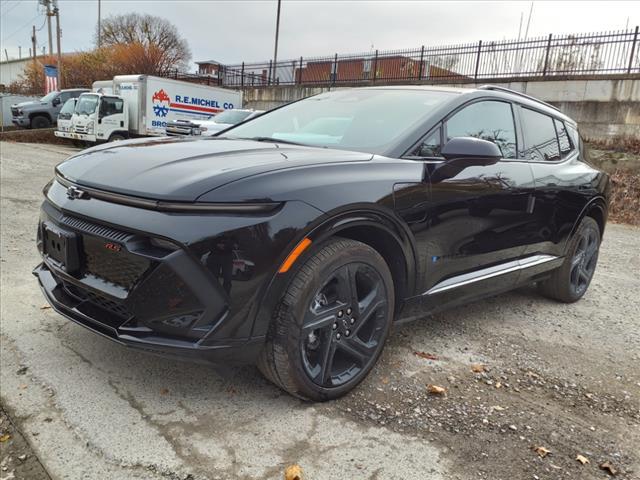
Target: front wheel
332, 321
570, 281
116, 137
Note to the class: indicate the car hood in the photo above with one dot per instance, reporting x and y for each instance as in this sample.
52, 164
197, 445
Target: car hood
171, 169
30, 103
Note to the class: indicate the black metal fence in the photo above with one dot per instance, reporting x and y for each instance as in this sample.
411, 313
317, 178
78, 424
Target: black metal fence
585, 54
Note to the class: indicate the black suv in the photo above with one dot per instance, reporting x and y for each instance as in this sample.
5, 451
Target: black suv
296, 239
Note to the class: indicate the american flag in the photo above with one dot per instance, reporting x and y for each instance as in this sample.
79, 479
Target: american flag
51, 78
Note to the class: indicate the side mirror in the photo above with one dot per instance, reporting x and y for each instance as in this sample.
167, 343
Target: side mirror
56, 101
474, 149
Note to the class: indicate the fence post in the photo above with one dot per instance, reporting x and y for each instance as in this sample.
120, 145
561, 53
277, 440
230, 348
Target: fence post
421, 62
269, 74
633, 50
546, 57
334, 71
242, 75
475, 76
375, 67
300, 72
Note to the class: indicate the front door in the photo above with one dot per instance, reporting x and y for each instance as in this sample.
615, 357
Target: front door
478, 213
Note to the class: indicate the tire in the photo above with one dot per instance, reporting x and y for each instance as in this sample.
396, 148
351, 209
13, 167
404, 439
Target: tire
570, 281
40, 121
116, 137
318, 318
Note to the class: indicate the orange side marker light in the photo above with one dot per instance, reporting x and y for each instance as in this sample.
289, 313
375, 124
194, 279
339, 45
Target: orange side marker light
293, 256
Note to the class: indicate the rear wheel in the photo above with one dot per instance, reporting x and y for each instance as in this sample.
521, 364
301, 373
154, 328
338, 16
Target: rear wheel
331, 324
40, 121
570, 281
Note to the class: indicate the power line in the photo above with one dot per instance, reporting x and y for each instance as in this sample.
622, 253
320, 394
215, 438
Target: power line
19, 29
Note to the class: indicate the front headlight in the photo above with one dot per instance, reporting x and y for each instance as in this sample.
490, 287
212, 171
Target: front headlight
20, 112
90, 127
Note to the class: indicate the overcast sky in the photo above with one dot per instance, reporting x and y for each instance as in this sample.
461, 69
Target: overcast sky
233, 31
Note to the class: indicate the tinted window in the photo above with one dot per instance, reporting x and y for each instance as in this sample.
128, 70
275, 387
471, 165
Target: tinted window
64, 96
111, 106
430, 147
491, 121
563, 138
540, 140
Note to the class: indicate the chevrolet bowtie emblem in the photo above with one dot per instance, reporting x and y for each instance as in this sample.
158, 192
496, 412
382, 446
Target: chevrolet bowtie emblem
73, 193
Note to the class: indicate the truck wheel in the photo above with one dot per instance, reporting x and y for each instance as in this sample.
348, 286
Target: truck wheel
116, 137
40, 121
330, 326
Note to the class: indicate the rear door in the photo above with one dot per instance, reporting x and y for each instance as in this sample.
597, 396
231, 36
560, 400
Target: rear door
478, 213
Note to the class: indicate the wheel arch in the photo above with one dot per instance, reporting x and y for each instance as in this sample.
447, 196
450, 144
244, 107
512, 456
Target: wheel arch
597, 209
371, 225
32, 115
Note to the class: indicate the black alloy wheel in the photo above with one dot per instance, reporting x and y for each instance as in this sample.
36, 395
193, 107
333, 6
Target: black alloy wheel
331, 323
570, 281
344, 325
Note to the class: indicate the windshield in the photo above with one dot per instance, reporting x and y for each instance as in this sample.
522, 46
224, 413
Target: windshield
367, 120
86, 104
49, 96
231, 117
68, 106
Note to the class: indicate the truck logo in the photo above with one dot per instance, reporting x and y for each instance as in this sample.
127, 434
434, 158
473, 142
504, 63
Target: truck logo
161, 102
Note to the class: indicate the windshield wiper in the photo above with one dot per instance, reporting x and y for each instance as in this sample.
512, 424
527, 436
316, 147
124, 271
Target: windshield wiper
269, 140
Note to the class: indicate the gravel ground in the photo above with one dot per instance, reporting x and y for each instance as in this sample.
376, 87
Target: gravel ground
518, 371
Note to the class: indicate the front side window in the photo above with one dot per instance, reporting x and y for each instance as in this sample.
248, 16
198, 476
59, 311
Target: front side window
430, 146
111, 106
488, 120
540, 139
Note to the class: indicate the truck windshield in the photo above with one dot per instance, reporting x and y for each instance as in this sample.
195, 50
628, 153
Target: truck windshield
49, 96
367, 120
231, 117
86, 104
68, 106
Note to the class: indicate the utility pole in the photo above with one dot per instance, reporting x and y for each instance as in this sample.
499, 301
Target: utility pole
275, 50
99, 28
33, 43
56, 12
47, 4
19, 52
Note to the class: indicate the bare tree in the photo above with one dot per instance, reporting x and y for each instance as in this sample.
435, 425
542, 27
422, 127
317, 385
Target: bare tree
157, 39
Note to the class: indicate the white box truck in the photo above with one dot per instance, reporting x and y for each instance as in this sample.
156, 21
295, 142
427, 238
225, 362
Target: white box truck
141, 105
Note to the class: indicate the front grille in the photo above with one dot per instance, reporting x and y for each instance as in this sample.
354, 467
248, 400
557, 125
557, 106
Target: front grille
94, 229
118, 267
14, 112
118, 309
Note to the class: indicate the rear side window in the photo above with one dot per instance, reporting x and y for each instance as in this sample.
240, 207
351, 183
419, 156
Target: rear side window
563, 138
540, 138
488, 120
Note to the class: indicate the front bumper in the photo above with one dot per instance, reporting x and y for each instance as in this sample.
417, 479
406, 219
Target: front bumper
21, 121
76, 136
188, 286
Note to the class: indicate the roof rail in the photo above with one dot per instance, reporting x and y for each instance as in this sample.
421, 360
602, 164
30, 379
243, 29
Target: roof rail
515, 92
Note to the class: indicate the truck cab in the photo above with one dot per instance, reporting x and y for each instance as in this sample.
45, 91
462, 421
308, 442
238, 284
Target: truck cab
98, 117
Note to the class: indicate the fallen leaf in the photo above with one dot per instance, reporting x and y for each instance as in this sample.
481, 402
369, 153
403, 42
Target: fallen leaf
164, 391
23, 386
477, 368
293, 472
608, 466
5, 437
498, 385
583, 460
542, 451
589, 395
385, 380
436, 390
497, 408
45, 307
425, 355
